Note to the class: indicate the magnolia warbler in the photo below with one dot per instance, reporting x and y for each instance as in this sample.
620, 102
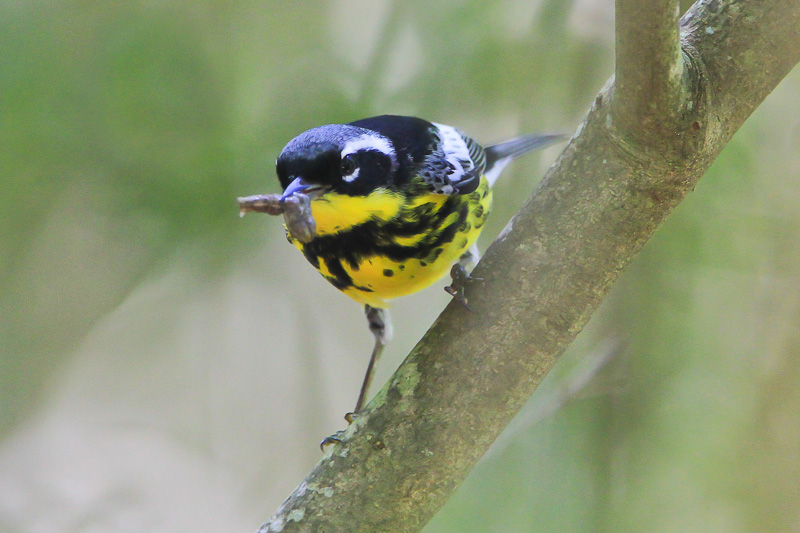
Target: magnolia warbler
395, 203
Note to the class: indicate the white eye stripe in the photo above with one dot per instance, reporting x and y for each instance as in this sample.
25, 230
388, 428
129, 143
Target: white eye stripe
369, 142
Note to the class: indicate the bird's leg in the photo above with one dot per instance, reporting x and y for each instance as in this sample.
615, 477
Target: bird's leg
461, 277
381, 328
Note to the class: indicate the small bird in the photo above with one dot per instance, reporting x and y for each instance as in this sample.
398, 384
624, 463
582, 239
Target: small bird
397, 203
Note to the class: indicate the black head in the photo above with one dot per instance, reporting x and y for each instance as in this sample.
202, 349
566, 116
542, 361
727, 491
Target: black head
340, 158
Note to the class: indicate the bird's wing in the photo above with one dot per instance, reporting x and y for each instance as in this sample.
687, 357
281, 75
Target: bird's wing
455, 162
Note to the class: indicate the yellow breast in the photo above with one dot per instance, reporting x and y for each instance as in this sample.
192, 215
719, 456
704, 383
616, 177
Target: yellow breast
379, 247
337, 213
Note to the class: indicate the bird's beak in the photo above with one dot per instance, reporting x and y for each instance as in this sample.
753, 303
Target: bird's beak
296, 186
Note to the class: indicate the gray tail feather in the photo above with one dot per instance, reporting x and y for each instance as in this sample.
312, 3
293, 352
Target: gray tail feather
516, 147
500, 155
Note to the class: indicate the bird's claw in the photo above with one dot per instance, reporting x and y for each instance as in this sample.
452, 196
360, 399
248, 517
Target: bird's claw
336, 438
460, 278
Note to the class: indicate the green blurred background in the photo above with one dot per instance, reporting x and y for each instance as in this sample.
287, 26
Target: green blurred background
168, 366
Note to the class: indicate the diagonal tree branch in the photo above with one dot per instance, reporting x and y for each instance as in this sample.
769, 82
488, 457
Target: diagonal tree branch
640, 150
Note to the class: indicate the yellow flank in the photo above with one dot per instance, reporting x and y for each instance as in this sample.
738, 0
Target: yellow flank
412, 277
385, 278
339, 212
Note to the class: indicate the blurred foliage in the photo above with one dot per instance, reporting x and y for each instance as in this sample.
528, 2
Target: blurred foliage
148, 330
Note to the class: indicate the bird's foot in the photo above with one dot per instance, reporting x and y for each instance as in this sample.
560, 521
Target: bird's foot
460, 278
338, 437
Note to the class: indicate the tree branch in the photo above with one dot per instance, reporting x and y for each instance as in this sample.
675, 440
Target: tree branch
649, 70
549, 270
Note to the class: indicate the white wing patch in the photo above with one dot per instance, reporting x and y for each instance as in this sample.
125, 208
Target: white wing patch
456, 153
451, 168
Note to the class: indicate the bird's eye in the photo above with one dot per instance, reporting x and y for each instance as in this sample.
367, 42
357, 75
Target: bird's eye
348, 165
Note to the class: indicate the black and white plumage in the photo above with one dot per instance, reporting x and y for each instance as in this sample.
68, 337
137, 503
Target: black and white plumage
446, 159
452, 167
397, 202
391, 150
389, 189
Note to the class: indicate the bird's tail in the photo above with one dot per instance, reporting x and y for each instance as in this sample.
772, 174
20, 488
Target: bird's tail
500, 155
